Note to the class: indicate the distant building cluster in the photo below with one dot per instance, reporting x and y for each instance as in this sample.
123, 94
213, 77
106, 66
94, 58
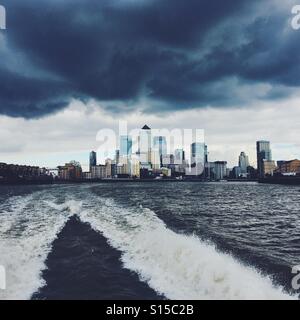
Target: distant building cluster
15, 173
152, 161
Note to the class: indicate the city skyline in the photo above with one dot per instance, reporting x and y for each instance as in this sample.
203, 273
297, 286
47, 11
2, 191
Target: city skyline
235, 89
81, 156
154, 151
155, 159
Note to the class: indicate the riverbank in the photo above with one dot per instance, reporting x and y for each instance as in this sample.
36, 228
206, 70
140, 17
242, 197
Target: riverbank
281, 180
115, 180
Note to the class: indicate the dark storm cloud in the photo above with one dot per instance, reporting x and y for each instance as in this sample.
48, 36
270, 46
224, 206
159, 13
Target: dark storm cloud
176, 53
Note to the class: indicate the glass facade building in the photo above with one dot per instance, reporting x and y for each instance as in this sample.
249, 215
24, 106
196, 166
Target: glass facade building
263, 152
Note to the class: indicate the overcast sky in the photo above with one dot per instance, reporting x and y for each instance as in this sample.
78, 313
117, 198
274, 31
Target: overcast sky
70, 68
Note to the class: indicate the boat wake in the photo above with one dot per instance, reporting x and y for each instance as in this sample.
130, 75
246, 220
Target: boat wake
28, 227
175, 265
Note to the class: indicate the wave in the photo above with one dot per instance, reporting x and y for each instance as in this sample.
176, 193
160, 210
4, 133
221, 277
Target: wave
28, 227
175, 265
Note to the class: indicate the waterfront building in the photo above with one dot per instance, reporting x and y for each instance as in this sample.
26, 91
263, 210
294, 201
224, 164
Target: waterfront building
160, 145
87, 175
197, 153
125, 146
167, 160
145, 145
263, 153
93, 159
70, 171
155, 160
228, 172
108, 165
123, 170
209, 171
125, 164
236, 172
268, 167
117, 157
98, 172
166, 172
135, 167
251, 172
179, 169
288, 167
20, 171
205, 154
114, 172
243, 162
220, 169
197, 159
179, 156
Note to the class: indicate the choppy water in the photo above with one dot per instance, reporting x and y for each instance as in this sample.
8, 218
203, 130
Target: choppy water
150, 241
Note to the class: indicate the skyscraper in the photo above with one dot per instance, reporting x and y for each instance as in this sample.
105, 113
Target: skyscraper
206, 154
117, 157
145, 145
93, 160
197, 158
160, 145
263, 152
179, 156
197, 152
125, 146
243, 162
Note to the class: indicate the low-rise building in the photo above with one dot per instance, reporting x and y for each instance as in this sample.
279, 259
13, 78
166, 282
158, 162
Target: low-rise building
288, 167
98, 172
166, 172
220, 170
70, 171
135, 167
20, 171
109, 169
269, 166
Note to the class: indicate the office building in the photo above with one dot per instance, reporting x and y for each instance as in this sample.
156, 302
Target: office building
145, 145
135, 167
93, 159
125, 146
236, 172
98, 172
243, 162
263, 153
167, 160
220, 169
117, 157
197, 159
70, 171
197, 153
179, 156
109, 170
291, 167
155, 160
160, 145
205, 154
268, 167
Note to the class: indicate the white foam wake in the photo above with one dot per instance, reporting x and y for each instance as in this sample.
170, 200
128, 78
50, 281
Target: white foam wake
178, 266
28, 227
